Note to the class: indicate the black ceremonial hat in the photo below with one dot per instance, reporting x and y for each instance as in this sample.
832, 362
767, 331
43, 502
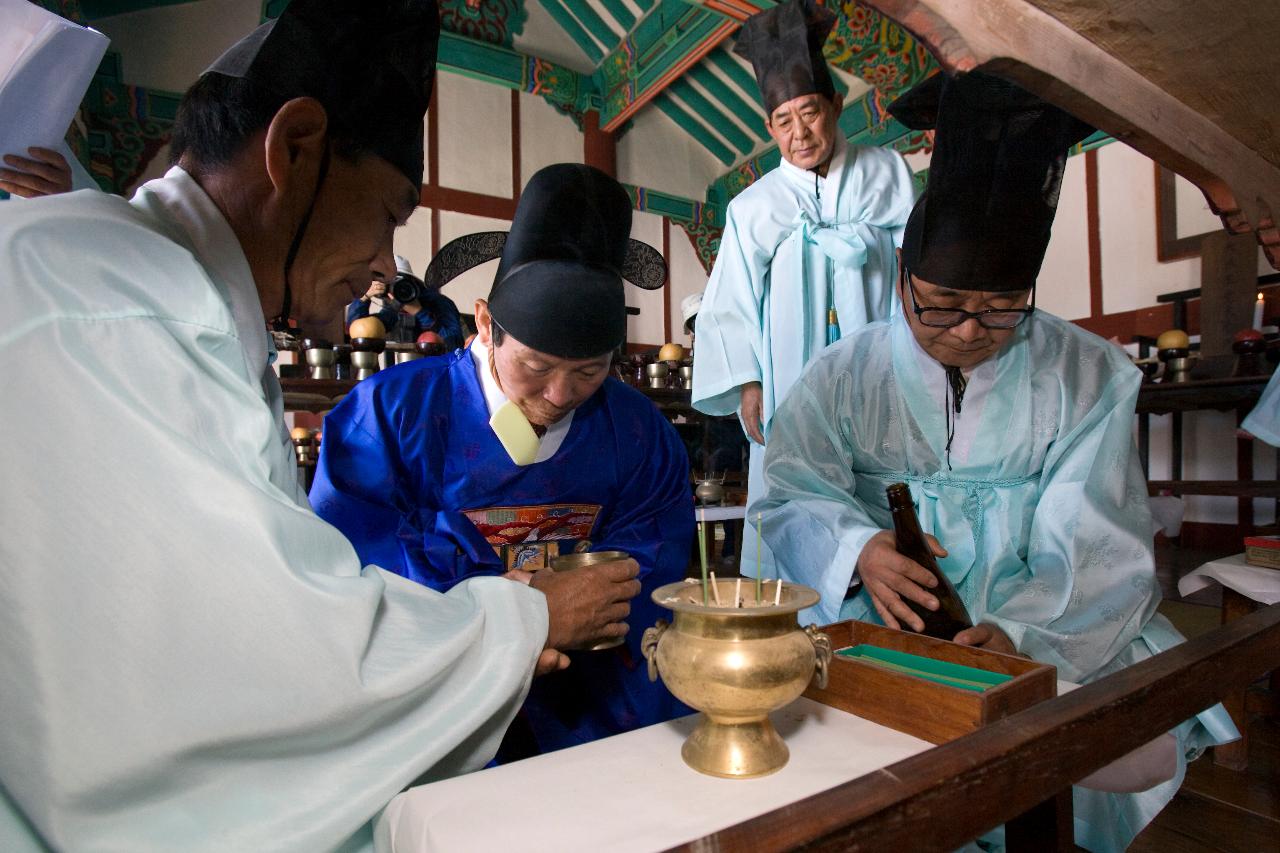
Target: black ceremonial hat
371, 63
784, 46
984, 220
559, 284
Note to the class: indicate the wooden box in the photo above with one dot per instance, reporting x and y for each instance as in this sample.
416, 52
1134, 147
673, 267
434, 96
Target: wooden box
930, 711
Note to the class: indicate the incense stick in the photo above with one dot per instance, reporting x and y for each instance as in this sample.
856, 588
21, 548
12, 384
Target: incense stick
715, 589
737, 592
759, 522
777, 593
702, 553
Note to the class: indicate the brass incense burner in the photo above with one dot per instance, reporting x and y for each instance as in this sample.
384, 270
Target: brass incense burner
736, 664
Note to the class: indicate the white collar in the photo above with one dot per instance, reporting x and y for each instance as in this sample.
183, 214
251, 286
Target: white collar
839, 152
551, 440
216, 247
981, 379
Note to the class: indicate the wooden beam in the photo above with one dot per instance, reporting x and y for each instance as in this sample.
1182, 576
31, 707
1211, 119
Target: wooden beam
711, 115
947, 796
594, 24
704, 137
670, 39
1018, 41
729, 99
561, 15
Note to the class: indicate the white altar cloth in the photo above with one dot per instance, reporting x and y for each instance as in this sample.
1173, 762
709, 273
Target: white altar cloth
632, 792
1253, 582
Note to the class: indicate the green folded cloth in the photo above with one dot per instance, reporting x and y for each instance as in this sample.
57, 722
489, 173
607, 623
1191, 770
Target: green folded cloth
938, 671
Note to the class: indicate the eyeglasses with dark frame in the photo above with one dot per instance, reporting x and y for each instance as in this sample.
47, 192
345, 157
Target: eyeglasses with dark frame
947, 318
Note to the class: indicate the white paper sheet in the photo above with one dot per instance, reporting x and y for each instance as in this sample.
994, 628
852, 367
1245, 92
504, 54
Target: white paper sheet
632, 792
1255, 583
46, 64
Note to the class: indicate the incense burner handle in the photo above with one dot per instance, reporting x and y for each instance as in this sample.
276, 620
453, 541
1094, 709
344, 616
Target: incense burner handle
649, 646
821, 651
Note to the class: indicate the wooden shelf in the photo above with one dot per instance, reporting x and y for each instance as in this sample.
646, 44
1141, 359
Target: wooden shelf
1160, 398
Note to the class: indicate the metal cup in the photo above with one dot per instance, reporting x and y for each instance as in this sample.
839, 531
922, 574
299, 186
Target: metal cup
321, 360
568, 562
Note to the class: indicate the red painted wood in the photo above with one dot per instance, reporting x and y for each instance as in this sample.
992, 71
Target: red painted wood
599, 147
1095, 233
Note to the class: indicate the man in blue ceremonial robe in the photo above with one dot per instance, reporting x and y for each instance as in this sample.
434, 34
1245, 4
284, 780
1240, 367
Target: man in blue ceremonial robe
807, 253
423, 470
1013, 429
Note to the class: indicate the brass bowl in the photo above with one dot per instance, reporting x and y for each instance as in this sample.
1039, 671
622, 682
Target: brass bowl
569, 562
736, 665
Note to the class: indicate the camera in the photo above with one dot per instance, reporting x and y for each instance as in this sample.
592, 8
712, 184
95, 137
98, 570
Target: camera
407, 288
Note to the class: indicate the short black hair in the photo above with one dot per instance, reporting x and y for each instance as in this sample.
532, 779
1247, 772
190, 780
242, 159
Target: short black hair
219, 114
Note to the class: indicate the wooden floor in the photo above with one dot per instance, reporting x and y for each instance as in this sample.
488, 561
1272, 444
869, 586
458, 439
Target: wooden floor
1219, 809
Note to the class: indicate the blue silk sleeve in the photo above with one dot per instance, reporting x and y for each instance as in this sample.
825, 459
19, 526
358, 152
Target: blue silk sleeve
362, 488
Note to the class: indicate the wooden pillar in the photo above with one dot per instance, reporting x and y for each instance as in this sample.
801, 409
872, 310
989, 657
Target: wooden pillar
1228, 282
599, 148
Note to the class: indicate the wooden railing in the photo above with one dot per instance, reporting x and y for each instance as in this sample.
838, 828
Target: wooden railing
949, 795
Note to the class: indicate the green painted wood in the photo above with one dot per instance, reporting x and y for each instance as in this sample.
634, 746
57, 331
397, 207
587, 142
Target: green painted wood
483, 61
594, 24
694, 128
561, 87
712, 115
620, 13
741, 77
632, 72
730, 99
560, 14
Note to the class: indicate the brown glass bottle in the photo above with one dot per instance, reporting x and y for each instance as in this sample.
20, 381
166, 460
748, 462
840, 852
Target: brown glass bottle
950, 618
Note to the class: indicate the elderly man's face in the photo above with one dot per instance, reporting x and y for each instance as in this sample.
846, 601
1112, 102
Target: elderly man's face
348, 240
805, 129
966, 344
545, 387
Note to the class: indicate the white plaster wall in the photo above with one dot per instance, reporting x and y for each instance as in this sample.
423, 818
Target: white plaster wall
655, 153
1063, 285
474, 283
1132, 278
546, 137
413, 241
687, 277
168, 47
647, 327
474, 119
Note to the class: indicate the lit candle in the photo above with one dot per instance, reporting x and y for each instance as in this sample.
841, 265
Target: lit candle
1257, 312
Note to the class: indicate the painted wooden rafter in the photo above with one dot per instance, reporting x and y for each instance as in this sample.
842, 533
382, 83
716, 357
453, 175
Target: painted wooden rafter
670, 39
492, 63
1018, 41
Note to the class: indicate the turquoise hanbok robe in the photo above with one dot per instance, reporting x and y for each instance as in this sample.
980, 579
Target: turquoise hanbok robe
1264, 421
795, 245
1045, 515
190, 659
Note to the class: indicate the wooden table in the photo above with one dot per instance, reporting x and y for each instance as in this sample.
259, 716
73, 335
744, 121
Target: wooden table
1174, 398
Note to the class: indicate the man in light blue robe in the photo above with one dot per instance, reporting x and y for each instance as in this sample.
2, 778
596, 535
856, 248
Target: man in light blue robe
1264, 421
425, 482
190, 659
807, 253
1012, 428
